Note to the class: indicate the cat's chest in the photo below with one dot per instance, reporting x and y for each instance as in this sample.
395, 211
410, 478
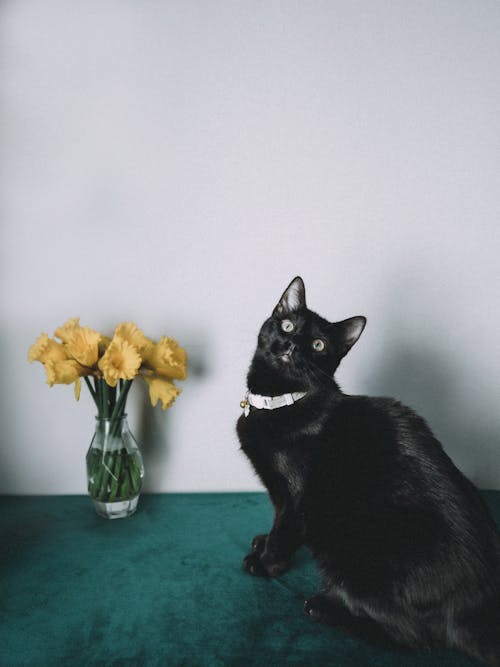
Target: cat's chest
275, 452
261, 436
292, 469
279, 426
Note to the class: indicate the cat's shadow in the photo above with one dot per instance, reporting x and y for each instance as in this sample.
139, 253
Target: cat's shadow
431, 382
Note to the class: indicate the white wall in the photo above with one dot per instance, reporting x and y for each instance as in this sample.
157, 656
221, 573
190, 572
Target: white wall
177, 163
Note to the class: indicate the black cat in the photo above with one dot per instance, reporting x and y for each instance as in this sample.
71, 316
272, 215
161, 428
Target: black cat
407, 549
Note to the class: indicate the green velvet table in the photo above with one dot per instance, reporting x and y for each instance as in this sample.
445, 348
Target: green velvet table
163, 588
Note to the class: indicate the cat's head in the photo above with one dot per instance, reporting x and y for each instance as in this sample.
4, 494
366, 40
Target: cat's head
297, 349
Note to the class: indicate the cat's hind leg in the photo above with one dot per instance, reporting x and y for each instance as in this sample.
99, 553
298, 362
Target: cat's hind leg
477, 633
328, 609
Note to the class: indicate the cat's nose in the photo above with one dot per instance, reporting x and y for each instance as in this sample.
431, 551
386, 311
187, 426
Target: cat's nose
283, 348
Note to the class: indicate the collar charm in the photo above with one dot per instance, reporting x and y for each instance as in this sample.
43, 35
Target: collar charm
245, 405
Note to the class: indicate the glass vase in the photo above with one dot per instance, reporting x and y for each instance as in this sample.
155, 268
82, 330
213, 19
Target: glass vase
115, 470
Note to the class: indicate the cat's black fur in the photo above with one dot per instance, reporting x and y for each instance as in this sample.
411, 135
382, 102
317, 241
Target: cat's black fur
406, 546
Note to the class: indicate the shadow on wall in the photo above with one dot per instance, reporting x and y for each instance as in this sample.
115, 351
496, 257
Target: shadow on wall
8, 477
437, 386
153, 424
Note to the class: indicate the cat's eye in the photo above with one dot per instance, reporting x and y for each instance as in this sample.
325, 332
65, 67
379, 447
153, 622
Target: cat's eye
287, 326
318, 345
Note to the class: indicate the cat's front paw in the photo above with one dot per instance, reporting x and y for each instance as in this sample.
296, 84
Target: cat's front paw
261, 565
252, 565
259, 544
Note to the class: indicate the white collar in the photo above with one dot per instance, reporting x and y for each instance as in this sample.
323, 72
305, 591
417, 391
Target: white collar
269, 402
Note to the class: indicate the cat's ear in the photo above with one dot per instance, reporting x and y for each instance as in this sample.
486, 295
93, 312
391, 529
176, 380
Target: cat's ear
293, 298
348, 331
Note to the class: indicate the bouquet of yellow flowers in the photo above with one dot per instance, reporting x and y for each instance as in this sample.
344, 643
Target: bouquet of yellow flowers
108, 367
86, 353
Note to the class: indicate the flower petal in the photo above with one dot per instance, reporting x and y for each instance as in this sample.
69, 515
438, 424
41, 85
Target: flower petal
82, 344
167, 359
121, 361
134, 336
67, 329
78, 388
46, 349
64, 372
162, 390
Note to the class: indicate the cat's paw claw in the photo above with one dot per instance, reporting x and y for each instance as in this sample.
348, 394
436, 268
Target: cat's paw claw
313, 608
259, 566
253, 566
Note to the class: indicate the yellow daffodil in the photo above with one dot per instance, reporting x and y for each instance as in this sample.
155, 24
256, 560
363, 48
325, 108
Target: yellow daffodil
65, 331
134, 336
162, 390
82, 344
46, 349
167, 359
103, 345
64, 372
121, 361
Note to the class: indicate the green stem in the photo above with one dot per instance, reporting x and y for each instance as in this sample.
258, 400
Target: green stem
119, 455
119, 408
92, 390
135, 476
105, 399
125, 486
112, 398
97, 470
98, 387
107, 464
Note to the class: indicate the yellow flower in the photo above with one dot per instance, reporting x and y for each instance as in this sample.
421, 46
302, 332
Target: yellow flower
64, 372
134, 336
167, 359
46, 349
59, 369
103, 344
65, 331
162, 390
121, 361
82, 344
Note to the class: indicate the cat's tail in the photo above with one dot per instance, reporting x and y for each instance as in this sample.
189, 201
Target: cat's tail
478, 634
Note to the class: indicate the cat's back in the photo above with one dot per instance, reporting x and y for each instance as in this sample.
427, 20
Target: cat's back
384, 447
366, 425
377, 452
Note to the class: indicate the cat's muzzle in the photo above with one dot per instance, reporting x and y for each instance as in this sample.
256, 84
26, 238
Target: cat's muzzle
286, 356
